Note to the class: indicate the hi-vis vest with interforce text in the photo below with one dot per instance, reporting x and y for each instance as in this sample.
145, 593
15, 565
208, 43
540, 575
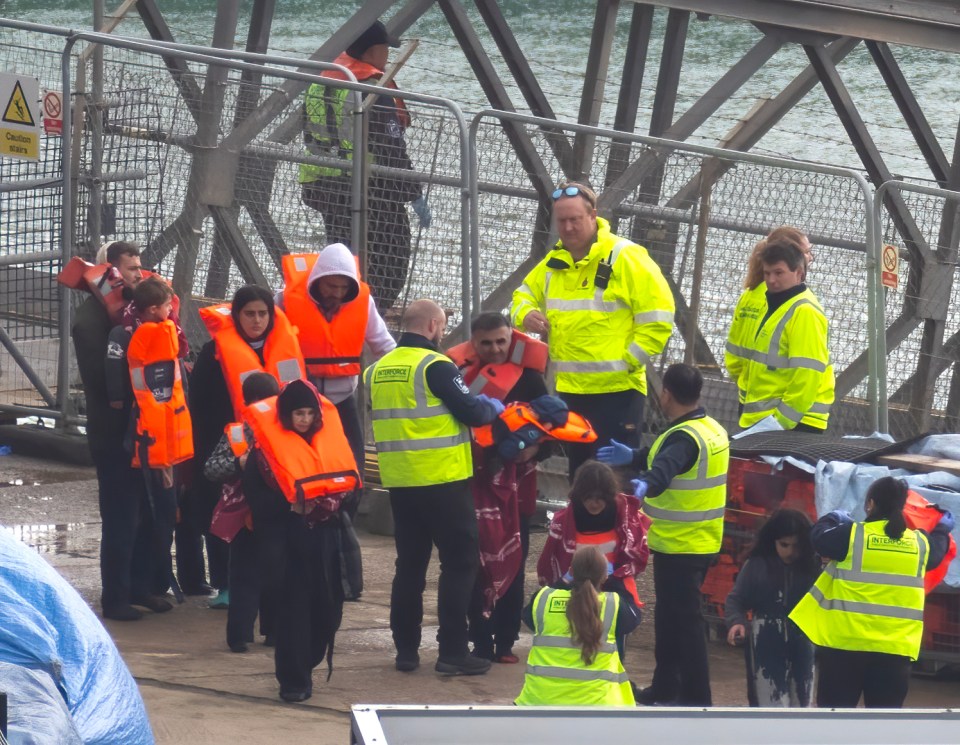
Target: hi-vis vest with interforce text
556, 673
687, 518
331, 349
872, 601
323, 467
497, 381
282, 357
164, 430
419, 442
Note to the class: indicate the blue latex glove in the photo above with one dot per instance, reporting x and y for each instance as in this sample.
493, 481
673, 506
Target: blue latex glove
496, 404
946, 521
422, 209
609, 567
639, 488
615, 454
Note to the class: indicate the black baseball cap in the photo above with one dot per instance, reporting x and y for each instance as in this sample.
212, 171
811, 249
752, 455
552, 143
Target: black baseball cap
376, 34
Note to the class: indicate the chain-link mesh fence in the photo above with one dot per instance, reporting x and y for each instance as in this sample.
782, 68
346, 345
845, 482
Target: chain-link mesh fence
923, 340
747, 199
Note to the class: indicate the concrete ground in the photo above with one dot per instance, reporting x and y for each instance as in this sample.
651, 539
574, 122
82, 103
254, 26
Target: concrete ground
196, 690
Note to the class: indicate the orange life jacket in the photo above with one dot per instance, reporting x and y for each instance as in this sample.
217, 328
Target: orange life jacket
496, 381
923, 515
236, 438
281, 351
520, 414
363, 71
606, 543
325, 466
104, 283
331, 349
164, 430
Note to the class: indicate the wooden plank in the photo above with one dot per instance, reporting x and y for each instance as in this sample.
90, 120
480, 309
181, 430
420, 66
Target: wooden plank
920, 463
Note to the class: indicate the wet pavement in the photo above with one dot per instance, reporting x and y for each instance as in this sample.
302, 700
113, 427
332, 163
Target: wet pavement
196, 690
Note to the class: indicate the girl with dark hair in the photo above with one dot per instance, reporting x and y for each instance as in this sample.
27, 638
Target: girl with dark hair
865, 611
573, 660
780, 569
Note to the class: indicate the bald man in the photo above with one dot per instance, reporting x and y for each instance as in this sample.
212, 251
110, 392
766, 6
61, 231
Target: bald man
422, 411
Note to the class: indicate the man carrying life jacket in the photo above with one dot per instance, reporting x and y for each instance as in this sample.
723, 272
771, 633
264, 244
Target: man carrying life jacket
683, 487
421, 411
106, 428
145, 380
607, 310
335, 315
506, 365
328, 133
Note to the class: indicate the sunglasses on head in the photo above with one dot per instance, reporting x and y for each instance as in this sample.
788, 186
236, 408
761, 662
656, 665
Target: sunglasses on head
572, 191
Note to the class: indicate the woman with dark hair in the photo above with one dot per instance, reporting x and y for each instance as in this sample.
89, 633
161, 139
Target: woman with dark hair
248, 335
865, 611
573, 661
780, 569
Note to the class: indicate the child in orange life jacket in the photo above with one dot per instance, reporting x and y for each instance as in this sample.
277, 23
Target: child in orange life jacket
232, 523
152, 571
311, 603
600, 516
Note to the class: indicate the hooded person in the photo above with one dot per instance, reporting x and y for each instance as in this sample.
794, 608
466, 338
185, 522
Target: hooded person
324, 297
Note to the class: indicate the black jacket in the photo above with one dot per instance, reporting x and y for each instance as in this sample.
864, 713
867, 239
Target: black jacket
677, 455
767, 587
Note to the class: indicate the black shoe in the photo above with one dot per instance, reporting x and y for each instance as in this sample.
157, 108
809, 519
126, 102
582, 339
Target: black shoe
296, 697
153, 602
482, 653
648, 697
466, 665
122, 612
202, 590
407, 662
238, 647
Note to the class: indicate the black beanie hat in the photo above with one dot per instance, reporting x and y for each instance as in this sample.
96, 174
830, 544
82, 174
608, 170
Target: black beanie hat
297, 394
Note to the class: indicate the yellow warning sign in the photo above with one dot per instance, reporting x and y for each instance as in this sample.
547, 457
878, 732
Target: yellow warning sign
17, 110
19, 116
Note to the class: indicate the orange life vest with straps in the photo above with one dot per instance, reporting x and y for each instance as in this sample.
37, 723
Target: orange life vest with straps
923, 515
281, 351
164, 430
323, 467
496, 381
236, 439
520, 414
104, 283
363, 72
331, 349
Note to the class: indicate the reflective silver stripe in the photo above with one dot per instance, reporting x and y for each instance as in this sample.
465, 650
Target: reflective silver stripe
236, 433
525, 288
653, 316
576, 674
136, 376
752, 407
604, 306
682, 516
895, 580
639, 352
299, 264
516, 357
428, 443
789, 413
541, 611
617, 247
569, 366
819, 408
872, 609
288, 370
806, 363
422, 409
679, 484
737, 351
563, 642
478, 384
609, 616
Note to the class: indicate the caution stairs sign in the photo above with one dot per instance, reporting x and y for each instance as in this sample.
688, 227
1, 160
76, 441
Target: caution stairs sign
19, 120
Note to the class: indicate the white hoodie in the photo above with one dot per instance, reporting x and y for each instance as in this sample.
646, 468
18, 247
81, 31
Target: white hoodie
337, 259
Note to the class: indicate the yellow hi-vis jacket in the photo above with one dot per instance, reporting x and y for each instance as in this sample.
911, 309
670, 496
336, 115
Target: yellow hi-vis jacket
419, 442
787, 370
749, 311
687, 518
556, 673
601, 338
872, 601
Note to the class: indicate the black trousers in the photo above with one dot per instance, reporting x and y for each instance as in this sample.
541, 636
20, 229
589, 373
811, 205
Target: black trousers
843, 675
311, 607
244, 585
680, 647
496, 635
157, 520
124, 542
440, 515
193, 531
350, 418
617, 415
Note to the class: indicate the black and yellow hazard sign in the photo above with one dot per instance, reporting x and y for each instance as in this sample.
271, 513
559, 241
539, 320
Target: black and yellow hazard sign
19, 123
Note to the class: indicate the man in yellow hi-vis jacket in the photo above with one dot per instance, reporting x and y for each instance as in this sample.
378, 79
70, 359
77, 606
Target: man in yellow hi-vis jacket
787, 371
607, 310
